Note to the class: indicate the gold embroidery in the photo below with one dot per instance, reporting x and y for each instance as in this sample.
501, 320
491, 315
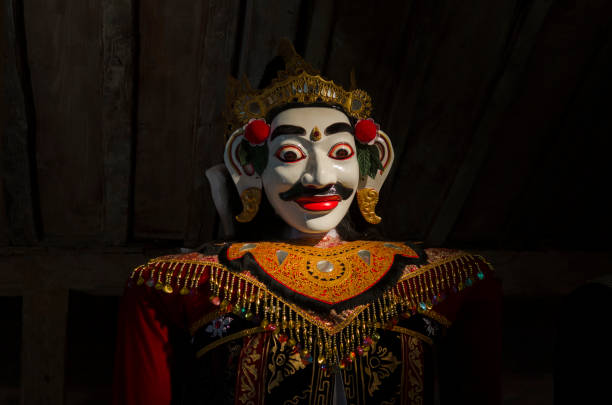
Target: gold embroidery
412, 333
321, 386
380, 364
282, 362
228, 338
298, 398
329, 275
248, 376
205, 320
339, 340
441, 319
414, 369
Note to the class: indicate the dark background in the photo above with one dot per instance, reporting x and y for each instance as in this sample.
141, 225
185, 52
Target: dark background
499, 112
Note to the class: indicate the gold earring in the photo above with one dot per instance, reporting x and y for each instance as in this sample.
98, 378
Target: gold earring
251, 198
367, 198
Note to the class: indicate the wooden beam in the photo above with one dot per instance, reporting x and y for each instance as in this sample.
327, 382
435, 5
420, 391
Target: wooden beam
117, 131
217, 46
16, 139
501, 96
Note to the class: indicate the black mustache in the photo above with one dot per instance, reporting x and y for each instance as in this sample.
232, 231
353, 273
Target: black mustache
298, 190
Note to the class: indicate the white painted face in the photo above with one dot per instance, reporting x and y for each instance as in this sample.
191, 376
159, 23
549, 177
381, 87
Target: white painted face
312, 172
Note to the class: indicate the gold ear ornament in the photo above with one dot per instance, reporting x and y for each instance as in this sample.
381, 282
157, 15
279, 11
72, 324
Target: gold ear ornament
367, 198
251, 198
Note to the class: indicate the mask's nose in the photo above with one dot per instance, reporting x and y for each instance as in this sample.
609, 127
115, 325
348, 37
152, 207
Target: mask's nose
319, 171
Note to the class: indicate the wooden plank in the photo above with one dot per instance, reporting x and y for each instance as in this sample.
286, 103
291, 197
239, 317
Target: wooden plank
522, 43
265, 23
17, 211
530, 130
117, 92
65, 61
43, 346
217, 46
95, 271
168, 97
444, 82
319, 33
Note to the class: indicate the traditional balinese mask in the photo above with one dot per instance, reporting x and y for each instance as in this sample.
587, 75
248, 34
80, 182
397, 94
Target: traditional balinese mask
310, 161
312, 173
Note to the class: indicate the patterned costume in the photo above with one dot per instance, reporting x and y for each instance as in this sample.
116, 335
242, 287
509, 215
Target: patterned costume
337, 322
277, 323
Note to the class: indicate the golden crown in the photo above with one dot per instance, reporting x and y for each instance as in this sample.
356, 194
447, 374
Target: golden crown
298, 83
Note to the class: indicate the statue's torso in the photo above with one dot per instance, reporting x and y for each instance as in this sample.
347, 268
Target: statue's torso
280, 323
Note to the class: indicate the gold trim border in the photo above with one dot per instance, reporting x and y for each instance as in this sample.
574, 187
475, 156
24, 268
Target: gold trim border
223, 340
406, 331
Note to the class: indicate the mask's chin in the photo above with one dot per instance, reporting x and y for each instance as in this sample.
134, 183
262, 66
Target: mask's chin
310, 222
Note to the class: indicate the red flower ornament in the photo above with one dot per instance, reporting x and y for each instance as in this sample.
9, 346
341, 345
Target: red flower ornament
366, 131
256, 132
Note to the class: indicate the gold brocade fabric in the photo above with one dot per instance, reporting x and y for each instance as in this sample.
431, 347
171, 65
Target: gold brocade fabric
329, 275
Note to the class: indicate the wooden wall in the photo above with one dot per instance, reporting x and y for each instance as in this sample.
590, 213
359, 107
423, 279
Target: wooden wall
498, 111
117, 112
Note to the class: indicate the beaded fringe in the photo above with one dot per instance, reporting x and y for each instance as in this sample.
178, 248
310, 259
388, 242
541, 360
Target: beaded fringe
417, 292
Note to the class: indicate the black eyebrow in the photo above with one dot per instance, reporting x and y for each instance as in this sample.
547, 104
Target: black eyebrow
287, 130
339, 127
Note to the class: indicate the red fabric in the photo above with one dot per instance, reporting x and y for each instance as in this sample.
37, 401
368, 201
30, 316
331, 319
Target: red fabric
142, 370
143, 356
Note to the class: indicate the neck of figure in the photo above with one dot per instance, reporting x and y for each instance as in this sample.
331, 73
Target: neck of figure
312, 239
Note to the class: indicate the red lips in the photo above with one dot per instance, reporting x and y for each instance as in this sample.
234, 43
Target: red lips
319, 203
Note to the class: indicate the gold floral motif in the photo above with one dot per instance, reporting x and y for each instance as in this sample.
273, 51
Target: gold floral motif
414, 368
248, 366
251, 198
367, 198
282, 363
379, 364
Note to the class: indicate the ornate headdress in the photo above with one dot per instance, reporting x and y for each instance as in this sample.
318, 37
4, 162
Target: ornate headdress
299, 82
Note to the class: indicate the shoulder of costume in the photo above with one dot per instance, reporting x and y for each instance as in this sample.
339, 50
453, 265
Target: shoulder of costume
177, 273
439, 287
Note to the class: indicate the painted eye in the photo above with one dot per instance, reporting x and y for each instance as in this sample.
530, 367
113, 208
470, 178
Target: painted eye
341, 151
290, 154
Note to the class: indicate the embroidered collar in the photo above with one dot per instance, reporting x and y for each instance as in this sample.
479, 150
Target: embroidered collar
324, 279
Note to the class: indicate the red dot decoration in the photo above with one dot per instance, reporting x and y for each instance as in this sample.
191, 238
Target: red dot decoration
256, 132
